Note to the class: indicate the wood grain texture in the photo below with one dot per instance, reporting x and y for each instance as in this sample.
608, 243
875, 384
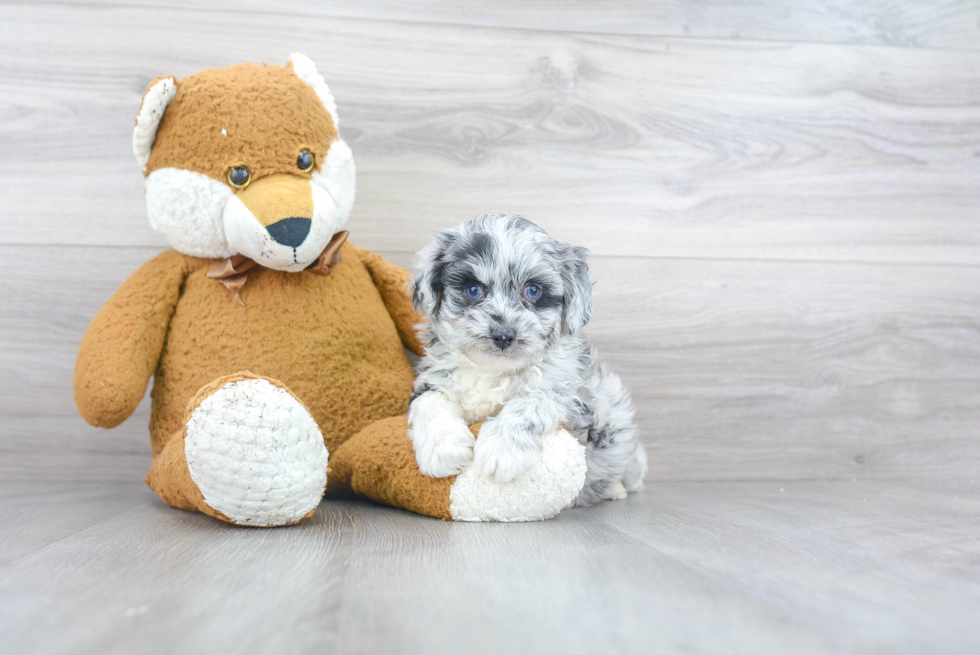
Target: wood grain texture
739, 370
937, 24
705, 568
785, 233
636, 146
796, 370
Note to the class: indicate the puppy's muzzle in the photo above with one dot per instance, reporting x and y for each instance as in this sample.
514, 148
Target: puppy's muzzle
503, 337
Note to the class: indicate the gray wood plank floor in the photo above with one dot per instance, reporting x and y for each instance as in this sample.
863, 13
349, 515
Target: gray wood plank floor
801, 567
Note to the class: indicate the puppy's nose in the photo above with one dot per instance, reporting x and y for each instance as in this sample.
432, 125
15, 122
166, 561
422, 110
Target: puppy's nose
503, 337
290, 231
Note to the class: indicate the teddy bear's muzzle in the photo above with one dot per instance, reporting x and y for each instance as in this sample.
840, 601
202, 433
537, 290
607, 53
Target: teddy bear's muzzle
281, 221
291, 231
276, 198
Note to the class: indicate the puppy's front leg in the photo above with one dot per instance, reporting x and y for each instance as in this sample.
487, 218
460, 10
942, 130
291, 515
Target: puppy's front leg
443, 442
511, 441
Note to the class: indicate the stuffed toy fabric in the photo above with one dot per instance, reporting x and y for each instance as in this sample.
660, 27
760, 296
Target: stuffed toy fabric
274, 343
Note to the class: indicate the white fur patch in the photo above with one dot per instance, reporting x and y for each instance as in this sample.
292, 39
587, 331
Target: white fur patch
158, 97
337, 177
256, 454
481, 390
305, 69
543, 490
442, 441
186, 208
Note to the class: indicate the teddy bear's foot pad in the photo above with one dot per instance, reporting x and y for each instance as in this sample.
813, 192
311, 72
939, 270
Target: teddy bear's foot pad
379, 463
544, 489
256, 454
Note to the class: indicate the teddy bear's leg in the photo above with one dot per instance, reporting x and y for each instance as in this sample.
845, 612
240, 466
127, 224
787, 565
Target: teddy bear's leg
379, 463
249, 453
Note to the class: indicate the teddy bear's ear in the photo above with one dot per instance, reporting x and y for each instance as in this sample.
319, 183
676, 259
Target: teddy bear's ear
305, 69
155, 102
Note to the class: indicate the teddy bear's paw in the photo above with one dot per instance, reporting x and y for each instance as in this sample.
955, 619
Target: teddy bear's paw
540, 492
256, 454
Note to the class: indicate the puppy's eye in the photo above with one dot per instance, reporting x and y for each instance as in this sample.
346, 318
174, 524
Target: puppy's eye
532, 292
305, 161
474, 291
239, 177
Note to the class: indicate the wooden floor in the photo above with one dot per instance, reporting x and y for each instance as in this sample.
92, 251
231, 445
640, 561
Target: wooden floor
782, 200
708, 567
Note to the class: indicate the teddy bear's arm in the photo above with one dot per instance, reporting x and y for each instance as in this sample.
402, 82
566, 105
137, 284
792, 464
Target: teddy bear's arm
122, 345
390, 281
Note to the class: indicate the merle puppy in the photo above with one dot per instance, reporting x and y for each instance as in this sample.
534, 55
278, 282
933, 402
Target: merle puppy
505, 306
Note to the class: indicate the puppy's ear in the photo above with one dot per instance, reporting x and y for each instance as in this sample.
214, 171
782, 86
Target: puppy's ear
577, 297
426, 284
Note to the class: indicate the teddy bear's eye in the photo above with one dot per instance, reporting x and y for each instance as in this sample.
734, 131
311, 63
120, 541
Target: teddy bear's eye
305, 161
239, 177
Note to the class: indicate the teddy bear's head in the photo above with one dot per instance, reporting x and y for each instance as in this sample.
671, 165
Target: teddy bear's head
245, 160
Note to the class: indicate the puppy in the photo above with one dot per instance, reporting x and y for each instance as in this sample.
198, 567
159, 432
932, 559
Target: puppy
505, 306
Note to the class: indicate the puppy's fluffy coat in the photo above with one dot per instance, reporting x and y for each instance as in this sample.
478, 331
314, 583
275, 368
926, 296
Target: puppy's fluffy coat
505, 306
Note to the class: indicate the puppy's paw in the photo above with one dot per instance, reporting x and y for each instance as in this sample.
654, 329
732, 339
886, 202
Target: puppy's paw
443, 449
615, 491
501, 458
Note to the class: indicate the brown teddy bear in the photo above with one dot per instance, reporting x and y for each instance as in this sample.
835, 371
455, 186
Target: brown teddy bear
272, 340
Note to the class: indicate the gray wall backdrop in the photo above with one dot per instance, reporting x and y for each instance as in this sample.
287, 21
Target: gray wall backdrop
781, 201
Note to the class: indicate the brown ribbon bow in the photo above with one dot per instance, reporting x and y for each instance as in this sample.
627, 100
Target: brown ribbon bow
232, 273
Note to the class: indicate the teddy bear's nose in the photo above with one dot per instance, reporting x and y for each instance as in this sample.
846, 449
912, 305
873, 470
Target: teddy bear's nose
290, 231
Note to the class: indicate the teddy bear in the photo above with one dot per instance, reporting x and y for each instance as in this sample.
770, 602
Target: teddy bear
277, 348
